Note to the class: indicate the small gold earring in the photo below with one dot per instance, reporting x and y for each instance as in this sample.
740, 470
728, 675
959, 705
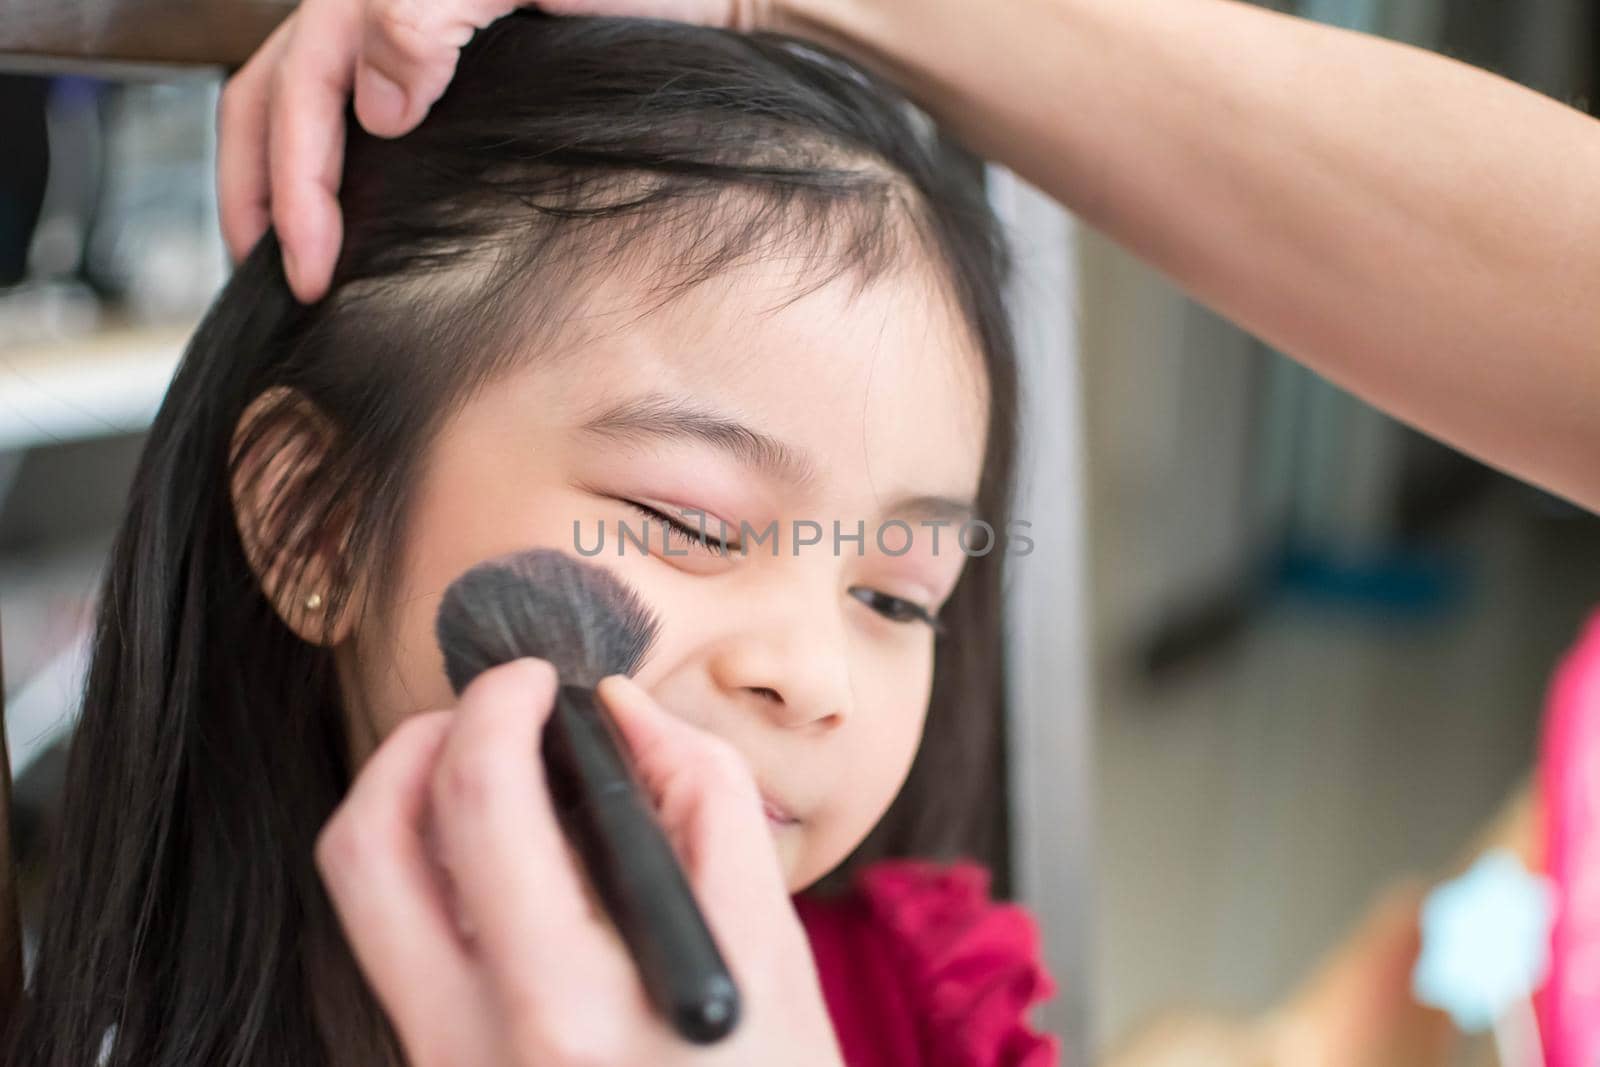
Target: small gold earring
314, 602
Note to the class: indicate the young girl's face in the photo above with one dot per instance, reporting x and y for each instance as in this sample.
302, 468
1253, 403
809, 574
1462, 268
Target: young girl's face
746, 404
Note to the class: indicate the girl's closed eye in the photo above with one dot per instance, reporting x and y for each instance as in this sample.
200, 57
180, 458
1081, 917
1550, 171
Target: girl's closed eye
698, 535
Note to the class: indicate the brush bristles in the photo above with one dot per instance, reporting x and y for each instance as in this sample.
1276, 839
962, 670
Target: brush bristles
546, 604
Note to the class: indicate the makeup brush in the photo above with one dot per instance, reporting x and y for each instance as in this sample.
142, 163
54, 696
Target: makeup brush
590, 625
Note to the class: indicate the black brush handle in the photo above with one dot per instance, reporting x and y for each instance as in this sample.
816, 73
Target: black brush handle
613, 826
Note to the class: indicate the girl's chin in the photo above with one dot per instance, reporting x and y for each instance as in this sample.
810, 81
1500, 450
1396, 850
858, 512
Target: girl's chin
787, 845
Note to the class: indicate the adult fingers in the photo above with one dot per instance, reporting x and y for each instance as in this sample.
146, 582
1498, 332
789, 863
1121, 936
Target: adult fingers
305, 152
729, 14
243, 195
409, 50
706, 796
545, 947
389, 898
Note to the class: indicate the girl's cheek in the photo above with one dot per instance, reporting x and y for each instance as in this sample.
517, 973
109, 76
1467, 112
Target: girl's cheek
886, 752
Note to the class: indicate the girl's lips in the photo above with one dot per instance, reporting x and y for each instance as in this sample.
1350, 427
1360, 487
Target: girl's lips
776, 813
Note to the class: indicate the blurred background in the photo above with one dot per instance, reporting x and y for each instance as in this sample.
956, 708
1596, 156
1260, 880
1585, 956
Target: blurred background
109, 253
1321, 640
1318, 642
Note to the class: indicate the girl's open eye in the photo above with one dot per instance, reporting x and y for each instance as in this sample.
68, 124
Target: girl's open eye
897, 609
690, 536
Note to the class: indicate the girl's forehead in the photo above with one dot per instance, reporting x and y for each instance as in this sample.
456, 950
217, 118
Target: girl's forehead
878, 383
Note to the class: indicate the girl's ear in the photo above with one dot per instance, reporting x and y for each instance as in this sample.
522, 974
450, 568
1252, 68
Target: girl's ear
293, 525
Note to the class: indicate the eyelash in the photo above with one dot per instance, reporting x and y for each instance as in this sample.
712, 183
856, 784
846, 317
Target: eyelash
900, 609
895, 609
689, 534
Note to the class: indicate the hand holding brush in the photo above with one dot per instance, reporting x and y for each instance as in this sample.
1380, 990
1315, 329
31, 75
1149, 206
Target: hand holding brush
453, 806
589, 625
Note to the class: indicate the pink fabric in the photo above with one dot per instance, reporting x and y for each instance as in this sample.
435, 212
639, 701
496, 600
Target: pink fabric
920, 968
1569, 783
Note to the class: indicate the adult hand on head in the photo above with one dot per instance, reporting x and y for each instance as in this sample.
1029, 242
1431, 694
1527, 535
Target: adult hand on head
281, 121
475, 928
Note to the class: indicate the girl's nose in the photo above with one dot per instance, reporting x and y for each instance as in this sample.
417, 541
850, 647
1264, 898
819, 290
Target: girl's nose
796, 671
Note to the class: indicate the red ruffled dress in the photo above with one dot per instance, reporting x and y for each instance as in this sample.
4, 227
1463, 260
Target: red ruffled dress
920, 968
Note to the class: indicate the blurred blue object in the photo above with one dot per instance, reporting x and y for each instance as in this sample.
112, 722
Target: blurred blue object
1413, 582
1485, 941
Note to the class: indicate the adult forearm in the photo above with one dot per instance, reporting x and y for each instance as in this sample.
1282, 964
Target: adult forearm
1420, 231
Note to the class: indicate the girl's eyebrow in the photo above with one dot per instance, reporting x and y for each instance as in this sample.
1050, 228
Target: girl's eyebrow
674, 418
662, 417
934, 508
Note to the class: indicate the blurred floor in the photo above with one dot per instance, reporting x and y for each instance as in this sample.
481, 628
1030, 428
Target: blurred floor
1249, 809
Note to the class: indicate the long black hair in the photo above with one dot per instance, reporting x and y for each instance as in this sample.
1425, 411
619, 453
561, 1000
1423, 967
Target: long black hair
186, 923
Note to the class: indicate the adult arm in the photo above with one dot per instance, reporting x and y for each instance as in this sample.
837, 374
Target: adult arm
1421, 232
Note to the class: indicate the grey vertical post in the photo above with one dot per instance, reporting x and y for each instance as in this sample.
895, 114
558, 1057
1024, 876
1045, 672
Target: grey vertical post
1047, 610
